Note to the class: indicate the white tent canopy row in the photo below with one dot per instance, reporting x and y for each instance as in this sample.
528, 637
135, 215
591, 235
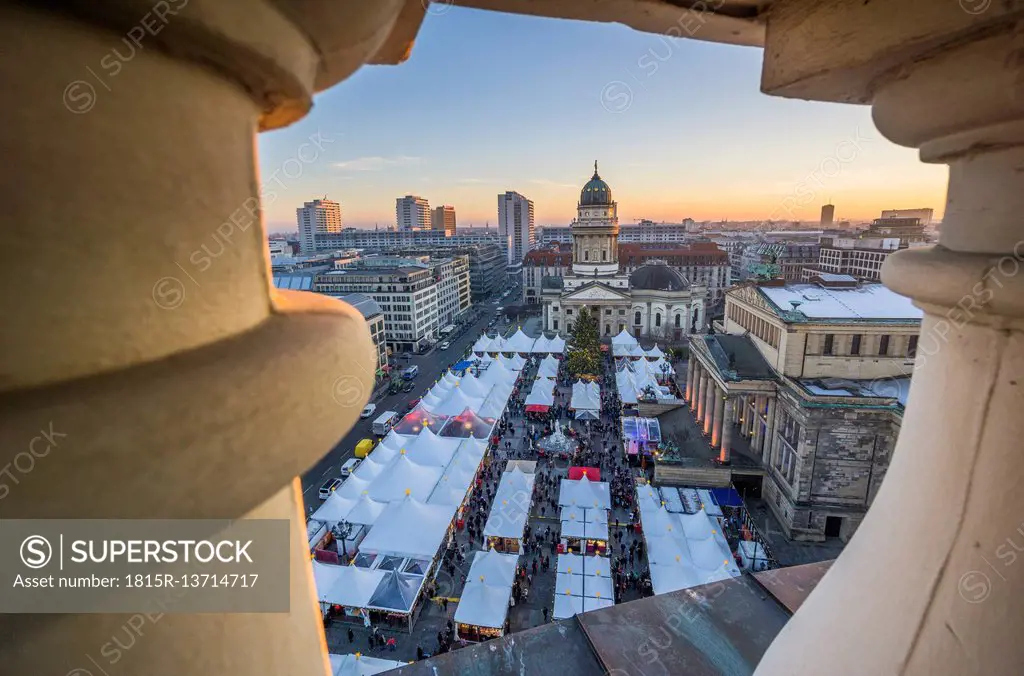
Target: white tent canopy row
635, 387
568, 584
585, 493
409, 528
510, 510
586, 397
567, 606
542, 393
579, 564
545, 345
518, 343
585, 524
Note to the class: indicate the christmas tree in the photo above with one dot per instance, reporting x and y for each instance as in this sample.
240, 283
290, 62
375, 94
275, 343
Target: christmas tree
585, 356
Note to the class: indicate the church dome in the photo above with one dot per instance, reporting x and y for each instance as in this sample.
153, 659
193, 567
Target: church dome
657, 276
596, 192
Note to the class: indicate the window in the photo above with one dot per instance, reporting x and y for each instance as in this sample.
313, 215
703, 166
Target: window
679, 319
622, 313
855, 345
829, 340
607, 313
883, 345
554, 324
586, 255
603, 255
607, 329
636, 318
568, 312
912, 347
657, 319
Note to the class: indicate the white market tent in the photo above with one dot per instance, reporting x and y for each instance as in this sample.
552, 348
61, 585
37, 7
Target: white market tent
346, 585
578, 564
585, 493
541, 345
585, 524
655, 352
361, 665
366, 511
557, 345
586, 400
567, 606
409, 528
403, 477
511, 507
623, 343
485, 598
519, 342
542, 393
548, 367
334, 509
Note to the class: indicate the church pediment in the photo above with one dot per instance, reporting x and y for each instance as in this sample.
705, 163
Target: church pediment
596, 292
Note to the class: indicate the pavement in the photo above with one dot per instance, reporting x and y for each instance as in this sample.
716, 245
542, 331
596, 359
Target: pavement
432, 365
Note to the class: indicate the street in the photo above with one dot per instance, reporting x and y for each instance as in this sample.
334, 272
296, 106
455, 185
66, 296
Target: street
432, 365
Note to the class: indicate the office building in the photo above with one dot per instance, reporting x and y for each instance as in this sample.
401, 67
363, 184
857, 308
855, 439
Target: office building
924, 215
778, 260
412, 213
515, 228
319, 217
418, 295
828, 215
443, 218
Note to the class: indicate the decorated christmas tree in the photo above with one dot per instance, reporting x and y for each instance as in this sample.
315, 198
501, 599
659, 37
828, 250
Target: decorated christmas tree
584, 358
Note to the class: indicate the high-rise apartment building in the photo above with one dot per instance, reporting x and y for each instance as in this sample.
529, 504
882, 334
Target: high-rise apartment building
314, 218
443, 218
515, 228
412, 213
828, 215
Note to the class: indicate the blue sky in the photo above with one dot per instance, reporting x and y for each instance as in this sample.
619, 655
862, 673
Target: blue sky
491, 102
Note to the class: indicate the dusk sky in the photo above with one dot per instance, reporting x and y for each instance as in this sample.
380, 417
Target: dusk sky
492, 102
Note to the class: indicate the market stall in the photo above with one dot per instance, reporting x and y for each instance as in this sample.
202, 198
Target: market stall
586, 400
358, 664
583, 530
582, 583
510, 511
483, 606
640, 437
541, 396
548, 367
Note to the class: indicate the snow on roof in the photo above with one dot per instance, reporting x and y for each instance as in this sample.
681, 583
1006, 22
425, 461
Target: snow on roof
865, 303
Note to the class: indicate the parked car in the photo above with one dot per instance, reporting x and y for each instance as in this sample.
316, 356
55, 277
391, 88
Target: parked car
368, 410
413, 403
328, 488
445, 345
349, 467
409, 387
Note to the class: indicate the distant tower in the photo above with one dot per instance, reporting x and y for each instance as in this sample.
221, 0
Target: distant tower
412, 212
828, 213
595, 232
320, 216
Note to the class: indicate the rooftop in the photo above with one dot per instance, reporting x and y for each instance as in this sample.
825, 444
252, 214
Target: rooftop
736, 356
797, 303
366, 305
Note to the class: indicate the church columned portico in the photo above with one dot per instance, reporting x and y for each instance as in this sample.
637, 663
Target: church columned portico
655, 301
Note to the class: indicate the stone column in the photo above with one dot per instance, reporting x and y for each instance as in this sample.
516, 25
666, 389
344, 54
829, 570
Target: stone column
691, 366
709, 405
927, 584
702, 393
716, 423
756, 422
748, 417
769, 430
725, 455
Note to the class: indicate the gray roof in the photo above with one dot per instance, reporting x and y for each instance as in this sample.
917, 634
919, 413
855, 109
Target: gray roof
364, 304
737, 358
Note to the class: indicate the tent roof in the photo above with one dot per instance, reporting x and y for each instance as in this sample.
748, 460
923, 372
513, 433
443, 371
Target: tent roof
468, 424
519, 342
483, 605
409, 528
624, 337
334, 508
366, 511
416, 419
585, 396
542, 393
585, 493
345, 585
496, 568
557, 345
405, 475
397, 591
655, 352
361, 665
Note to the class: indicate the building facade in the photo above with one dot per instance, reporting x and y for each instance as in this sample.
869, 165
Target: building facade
654, 300
859, 258
828, 215
412, 212
316, 218
923, 215
515, 228
418, 295
374, 317
813, 378
785, 260
391, 239
642, 232
443, 218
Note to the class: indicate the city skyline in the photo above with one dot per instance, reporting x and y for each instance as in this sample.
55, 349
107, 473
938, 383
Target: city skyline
685, 146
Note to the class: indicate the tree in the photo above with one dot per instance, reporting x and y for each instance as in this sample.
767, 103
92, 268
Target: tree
585, 356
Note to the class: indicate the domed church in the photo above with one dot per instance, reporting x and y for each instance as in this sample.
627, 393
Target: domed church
655, 301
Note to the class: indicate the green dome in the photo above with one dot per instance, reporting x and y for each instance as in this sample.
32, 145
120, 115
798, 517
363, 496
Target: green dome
596, 192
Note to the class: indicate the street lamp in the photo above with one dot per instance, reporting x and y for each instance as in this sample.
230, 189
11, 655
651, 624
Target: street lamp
342, 530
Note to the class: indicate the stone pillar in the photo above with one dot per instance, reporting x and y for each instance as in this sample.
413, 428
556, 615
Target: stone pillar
748, 417
691, 366
702, 393
170, 368
716, 422
726, 452
769, 431
709, 405
756, 422
927, 584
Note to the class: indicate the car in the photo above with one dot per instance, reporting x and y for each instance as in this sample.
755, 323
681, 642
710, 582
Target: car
368, 410
409, 387
328, 488
413, 403
349, 467
445, 345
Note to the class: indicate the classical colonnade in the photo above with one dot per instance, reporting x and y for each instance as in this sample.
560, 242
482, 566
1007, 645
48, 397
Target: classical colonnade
717, 410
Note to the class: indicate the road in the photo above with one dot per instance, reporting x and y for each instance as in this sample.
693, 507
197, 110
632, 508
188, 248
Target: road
432, 365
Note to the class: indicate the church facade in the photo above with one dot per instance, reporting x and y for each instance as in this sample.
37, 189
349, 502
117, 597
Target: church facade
654, 301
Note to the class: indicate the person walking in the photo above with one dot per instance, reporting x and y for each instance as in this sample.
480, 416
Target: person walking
351, 635
392, 644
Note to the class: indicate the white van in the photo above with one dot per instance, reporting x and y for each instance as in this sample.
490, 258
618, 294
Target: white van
349, 467
383, 424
